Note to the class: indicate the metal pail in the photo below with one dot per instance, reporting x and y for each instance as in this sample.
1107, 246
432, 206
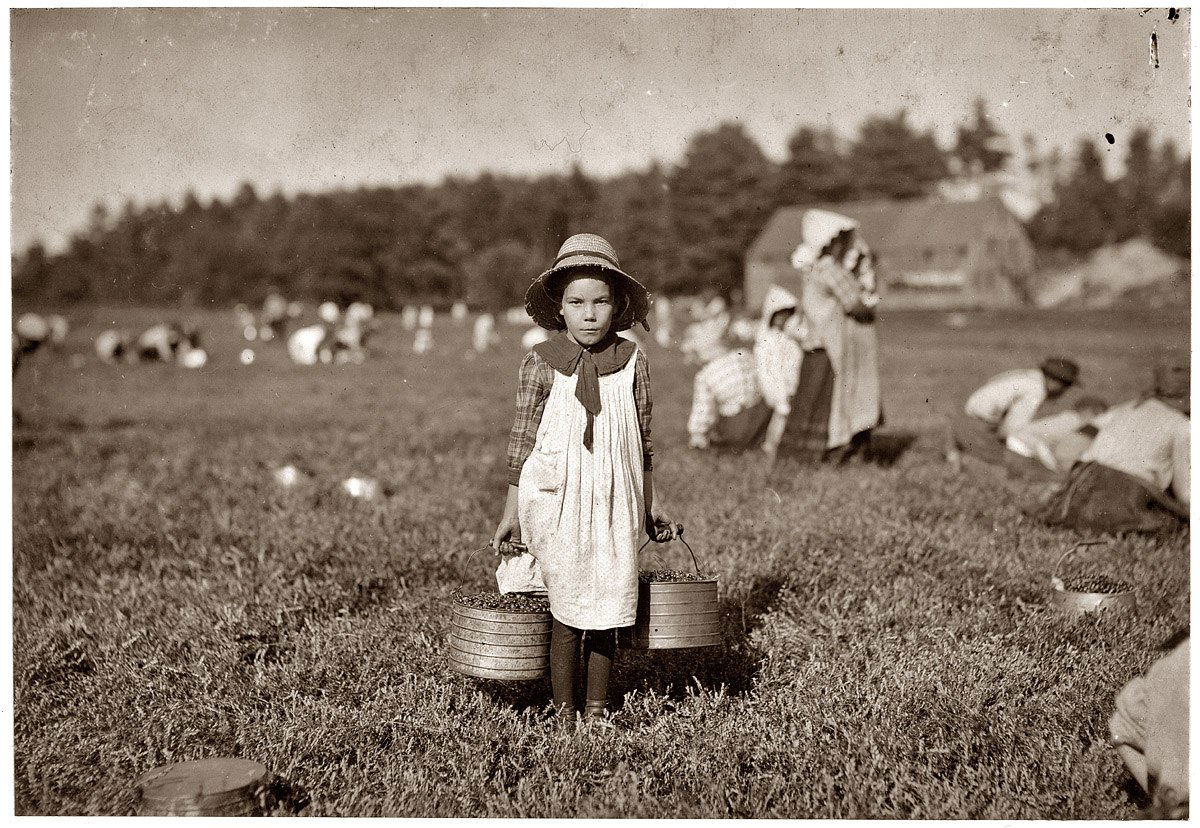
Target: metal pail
220, 786
494, 644
1081, 601
683, 613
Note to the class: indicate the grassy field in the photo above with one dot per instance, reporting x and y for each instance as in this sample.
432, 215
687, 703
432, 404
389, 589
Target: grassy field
888, 647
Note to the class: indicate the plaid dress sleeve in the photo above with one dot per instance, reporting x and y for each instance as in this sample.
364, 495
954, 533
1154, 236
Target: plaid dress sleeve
641, 397
842, 284
533, 387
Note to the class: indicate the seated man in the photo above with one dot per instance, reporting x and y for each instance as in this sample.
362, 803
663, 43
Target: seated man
1150, 730
727, 409
1006, 403
1050, 446
1125, 479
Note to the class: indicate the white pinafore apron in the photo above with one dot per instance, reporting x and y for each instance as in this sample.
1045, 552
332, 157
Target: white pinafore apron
582, 512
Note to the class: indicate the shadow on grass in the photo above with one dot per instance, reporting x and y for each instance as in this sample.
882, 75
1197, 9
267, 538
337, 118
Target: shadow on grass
885, 448
733, 665
283, 798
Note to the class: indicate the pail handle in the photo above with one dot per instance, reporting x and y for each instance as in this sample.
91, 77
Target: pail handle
679, 536
507, 548
1056, 581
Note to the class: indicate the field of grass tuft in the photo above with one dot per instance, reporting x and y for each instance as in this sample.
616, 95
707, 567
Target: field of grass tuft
888, 647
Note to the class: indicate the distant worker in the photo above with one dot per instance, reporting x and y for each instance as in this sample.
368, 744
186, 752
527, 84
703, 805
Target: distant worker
1135, 476
191, 353
533, 336
159, 343
425, 318
423, 341
408, 317
113, 346
458, 311
329, 312
727, 409
30, 332
662, 321
350, 337
307, 345
274, 318
484, 335
1005, 404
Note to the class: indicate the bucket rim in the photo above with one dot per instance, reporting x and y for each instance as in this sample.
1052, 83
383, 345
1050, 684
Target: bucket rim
456, 599
705, 579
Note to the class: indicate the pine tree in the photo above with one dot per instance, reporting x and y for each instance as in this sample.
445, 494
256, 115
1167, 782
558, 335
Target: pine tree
980, 144
815, 171
720, 198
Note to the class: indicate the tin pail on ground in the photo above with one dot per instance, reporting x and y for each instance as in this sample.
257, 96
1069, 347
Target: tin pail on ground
503, 637
220, 786
1081, 594
677, 609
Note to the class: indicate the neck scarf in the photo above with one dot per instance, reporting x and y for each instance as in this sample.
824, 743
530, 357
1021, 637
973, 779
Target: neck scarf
568, 357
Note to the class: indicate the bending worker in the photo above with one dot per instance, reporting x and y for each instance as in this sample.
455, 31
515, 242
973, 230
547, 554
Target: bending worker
1004, 405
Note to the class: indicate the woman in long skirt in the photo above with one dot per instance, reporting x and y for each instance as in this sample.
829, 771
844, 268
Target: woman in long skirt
837, 401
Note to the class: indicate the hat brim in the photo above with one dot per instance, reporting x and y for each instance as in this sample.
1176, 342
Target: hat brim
544, 310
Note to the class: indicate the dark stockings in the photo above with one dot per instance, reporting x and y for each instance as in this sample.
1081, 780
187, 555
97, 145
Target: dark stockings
599, 648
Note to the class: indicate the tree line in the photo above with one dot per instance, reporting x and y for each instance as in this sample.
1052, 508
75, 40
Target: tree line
680, 229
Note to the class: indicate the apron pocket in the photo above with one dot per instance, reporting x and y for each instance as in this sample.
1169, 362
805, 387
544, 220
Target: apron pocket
546, 469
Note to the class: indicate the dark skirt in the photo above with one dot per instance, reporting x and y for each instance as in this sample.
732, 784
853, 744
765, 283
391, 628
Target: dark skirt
806, 434
742, 430
1097, 499
977, 438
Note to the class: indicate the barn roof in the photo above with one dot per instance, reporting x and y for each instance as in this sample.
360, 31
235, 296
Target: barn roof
886, 225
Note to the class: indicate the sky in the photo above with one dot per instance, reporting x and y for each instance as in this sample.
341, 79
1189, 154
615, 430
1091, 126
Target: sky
143, 105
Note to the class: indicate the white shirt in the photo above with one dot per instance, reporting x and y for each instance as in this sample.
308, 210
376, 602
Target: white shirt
1009, 400
777, 359
1150, 441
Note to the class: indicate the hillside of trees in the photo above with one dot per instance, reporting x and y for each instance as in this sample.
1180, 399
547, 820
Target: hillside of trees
481, 239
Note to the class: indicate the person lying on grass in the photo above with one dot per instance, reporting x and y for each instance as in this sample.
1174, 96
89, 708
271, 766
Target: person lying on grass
1004, 405
1048, 447
1135, 476
581, 494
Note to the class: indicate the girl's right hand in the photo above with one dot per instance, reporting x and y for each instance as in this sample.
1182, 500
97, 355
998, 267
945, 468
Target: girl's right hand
509, 527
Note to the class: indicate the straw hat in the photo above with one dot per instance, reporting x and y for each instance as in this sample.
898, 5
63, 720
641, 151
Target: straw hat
586, 251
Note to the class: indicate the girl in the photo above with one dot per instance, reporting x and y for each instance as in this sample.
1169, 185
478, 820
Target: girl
777, 358
581, 493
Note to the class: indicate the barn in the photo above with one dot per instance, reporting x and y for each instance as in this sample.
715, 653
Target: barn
932, 253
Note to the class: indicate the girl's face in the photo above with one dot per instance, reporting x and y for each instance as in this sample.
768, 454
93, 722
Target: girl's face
587, 308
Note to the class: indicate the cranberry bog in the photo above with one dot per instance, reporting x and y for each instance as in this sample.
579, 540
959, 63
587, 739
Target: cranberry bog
888, 648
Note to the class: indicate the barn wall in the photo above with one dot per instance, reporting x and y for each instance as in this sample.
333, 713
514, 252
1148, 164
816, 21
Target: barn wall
761, 275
